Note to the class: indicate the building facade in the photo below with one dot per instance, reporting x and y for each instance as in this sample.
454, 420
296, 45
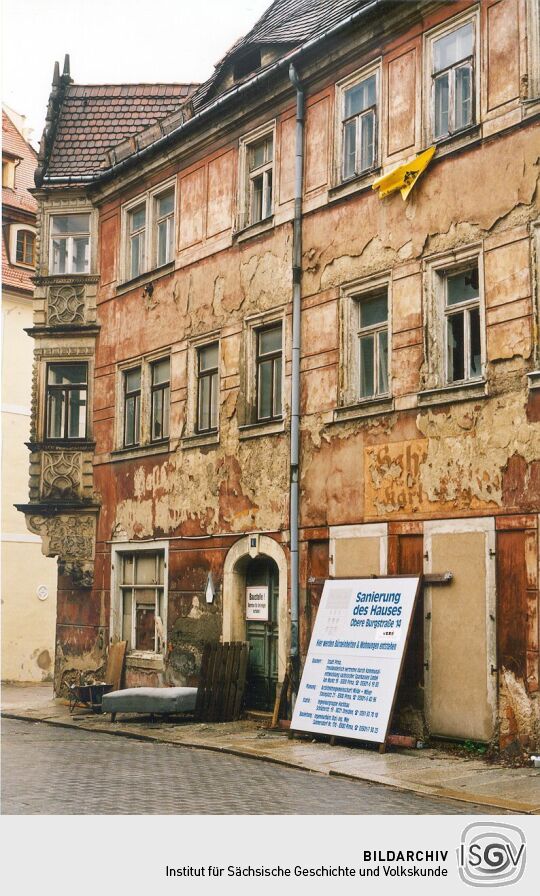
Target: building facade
28, 578
258, 365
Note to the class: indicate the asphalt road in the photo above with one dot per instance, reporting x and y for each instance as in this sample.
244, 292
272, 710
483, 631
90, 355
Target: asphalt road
48, 770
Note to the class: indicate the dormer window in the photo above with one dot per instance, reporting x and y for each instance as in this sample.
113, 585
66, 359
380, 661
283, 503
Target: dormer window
25, 248
247, 64
8, 174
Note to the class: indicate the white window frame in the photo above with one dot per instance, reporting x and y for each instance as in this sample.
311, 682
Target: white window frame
118, 550
352, 296
149, 254
437, 270
245, 178
248, 373
69, 239
192, 433
44, 259
145, 363
533, 49
430, 37
13, 236
353, 80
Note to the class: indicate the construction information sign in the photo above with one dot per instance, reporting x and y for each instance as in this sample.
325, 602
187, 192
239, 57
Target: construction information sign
257, 602
355, 656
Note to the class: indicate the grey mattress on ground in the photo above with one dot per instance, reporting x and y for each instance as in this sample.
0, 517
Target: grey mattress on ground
150, 700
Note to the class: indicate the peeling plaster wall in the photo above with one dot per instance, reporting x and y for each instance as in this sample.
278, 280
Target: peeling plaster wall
479, 456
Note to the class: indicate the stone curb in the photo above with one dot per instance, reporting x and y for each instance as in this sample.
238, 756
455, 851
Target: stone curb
395, 784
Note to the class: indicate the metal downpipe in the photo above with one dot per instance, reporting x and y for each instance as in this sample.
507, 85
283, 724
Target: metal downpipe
294, 510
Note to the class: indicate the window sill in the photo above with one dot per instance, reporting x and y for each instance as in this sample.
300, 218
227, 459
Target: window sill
454, 141
143, 279
534, 380
253, 430
253, 230
449, 394
200, 440
61, 279
140, 450
59, 444
362, 409
141, 659
359, 184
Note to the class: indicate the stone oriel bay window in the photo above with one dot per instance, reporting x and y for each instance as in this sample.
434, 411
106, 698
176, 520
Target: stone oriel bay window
143, 402
455, 345
139, 597
256, 194
451, 56
148, 231
357, 125
66, 401
69, 251
365, 379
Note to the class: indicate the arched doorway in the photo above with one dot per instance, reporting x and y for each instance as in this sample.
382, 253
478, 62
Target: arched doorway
262, 578
258, 562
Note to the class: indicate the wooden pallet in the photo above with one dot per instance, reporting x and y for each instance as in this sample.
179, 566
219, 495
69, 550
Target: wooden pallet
222, 682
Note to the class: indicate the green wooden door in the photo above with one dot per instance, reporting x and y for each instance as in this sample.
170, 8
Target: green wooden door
263, 638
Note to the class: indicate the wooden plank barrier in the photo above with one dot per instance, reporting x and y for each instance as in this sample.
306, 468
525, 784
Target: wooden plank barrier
222, 682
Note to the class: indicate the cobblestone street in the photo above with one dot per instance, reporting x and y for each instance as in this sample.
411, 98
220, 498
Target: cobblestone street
53, 771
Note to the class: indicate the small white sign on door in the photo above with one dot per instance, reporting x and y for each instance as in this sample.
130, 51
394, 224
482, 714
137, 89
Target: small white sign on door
257, 602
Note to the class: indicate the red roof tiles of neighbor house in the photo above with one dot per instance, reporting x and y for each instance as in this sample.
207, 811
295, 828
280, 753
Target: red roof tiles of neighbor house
17, 203
95, 117
14, 144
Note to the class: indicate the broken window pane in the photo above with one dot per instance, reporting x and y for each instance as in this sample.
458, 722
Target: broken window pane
456, 347
462, 287
475, 344
367, 366
383, 362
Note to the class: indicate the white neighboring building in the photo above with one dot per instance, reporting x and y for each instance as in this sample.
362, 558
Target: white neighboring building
28, 578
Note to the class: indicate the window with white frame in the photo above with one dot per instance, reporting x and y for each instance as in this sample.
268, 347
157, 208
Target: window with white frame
144, 402
160, 390
357, 103
149, 231
453, 74
70, 244
141, 584
269, 372
461, 292
132, 407
66, 400
372, 344
208, 387
136, 241
164, 227
257, 177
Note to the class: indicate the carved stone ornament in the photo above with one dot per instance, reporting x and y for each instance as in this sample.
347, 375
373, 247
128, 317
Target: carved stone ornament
61, 474
66, 304
71, 538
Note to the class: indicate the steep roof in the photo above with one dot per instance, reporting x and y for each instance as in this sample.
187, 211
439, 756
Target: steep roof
14, 144
285, 24
90, 128
17, 200
293, 21
95, 117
